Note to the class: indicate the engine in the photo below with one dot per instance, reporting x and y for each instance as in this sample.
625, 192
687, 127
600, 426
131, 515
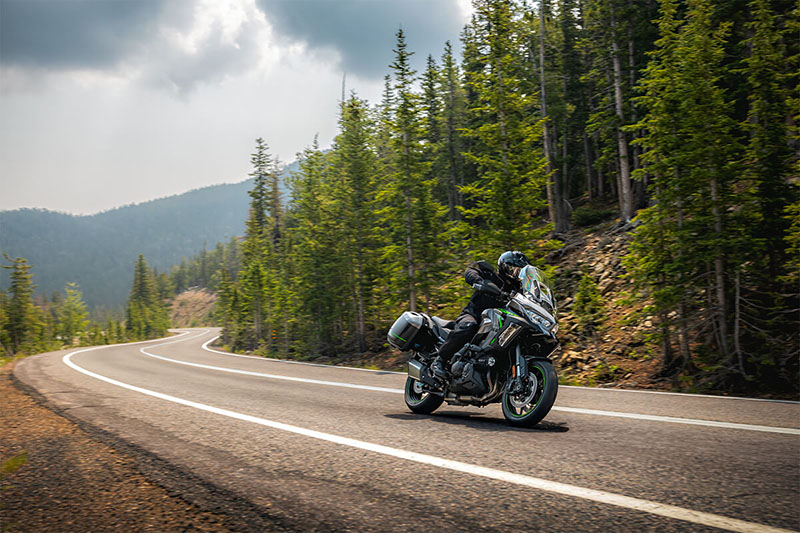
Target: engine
468, 378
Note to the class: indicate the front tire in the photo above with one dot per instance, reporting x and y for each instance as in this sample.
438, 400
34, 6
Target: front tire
528, 407
418, 401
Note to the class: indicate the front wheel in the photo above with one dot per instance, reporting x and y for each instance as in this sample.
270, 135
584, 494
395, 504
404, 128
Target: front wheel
418, 400
526, 407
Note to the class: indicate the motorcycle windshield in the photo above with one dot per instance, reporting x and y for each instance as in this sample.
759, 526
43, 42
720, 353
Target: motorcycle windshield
537, 286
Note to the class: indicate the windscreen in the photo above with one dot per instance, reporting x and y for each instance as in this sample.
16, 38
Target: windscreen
537, 286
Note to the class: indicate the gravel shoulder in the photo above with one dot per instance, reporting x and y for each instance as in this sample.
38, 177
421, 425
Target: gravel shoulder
78, 478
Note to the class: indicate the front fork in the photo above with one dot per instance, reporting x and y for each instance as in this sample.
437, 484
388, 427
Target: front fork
519, 371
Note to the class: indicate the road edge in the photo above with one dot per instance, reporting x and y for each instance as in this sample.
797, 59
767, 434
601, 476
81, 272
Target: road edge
174, 480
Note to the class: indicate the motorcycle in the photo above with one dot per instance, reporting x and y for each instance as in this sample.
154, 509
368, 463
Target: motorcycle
506, 361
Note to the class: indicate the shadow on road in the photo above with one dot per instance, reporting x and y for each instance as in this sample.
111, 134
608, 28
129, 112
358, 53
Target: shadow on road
480, 422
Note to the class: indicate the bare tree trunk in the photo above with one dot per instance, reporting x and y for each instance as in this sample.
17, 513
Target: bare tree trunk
626, 197
683, 318
737, 347
587, 159
719, 270
552, 200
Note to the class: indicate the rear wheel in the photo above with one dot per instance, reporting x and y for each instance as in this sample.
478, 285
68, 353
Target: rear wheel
420, 401
526, 407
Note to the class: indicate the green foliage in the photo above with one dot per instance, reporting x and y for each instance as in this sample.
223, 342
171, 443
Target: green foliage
588, 215
72, 315
588, 306
146, 314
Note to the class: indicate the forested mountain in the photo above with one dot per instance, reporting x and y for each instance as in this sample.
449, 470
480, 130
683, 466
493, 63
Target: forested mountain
98, 251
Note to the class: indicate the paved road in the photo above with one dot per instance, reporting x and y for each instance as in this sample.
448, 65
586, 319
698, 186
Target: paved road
331, 448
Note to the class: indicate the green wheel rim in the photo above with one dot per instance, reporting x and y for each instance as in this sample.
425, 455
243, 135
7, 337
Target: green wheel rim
540, 391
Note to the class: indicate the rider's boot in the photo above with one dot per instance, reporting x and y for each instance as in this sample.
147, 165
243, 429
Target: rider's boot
438, 368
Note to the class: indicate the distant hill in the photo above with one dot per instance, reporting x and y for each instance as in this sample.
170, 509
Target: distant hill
98, 251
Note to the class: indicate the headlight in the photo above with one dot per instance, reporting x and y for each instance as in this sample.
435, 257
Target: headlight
537, 319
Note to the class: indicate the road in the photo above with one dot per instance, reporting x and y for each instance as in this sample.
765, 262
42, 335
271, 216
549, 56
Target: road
332, 448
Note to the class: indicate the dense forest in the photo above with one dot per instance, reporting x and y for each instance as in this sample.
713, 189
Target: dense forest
681, 113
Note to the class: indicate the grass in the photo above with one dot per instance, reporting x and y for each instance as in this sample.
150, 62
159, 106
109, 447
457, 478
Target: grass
12, 464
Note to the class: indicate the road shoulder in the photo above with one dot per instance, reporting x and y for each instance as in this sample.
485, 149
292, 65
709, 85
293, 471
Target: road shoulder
77, 477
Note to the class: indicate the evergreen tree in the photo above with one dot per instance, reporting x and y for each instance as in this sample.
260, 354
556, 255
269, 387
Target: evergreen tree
145, 314
505, 143
20, 314
72, 315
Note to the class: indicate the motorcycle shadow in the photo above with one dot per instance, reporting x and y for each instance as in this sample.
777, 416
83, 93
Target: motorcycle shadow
481, 422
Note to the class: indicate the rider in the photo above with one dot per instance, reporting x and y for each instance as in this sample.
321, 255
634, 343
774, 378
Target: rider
490, 286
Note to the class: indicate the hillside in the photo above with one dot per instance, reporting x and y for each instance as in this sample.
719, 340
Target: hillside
98, 251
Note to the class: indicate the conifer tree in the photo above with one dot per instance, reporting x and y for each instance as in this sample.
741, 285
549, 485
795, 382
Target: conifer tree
20, 315
505, 144
145, 314
72, 314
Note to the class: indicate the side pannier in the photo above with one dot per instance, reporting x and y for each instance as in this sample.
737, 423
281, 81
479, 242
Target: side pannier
405, 330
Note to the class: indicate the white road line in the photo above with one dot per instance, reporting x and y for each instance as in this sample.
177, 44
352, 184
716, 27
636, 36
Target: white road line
290, 362
599, 389
676, 420
594, 412
271, 376
618, 500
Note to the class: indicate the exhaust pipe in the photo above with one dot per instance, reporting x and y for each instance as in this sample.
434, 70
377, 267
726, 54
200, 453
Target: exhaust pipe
415, 369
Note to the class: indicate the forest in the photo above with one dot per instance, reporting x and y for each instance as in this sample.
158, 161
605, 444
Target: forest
679, 117
683, 115
30, 325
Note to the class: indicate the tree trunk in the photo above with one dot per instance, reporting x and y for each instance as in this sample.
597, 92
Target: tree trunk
625, 195
719, 270
587, 159
552, 200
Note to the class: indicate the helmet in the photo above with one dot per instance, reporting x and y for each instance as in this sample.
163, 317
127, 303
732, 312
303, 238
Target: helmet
509, 265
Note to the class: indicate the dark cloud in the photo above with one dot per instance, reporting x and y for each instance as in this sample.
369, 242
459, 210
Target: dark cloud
75, 33
363, 31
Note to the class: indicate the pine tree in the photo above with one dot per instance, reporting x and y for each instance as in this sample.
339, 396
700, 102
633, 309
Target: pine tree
72, 315
145, 314
20, 313
505, 143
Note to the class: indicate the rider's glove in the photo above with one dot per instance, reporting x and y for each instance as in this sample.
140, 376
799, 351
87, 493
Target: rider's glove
488, 287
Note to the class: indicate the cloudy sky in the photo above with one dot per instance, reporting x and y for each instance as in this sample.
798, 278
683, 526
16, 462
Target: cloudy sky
110, 102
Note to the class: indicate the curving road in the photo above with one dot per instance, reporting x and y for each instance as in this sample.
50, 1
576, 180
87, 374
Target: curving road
331, 448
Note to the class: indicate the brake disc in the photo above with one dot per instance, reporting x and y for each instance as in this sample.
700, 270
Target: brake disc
523, 399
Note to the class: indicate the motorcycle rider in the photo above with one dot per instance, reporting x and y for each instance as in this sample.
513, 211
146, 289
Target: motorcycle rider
489, 288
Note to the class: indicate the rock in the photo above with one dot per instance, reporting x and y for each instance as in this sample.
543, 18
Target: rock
607, 285
648, 323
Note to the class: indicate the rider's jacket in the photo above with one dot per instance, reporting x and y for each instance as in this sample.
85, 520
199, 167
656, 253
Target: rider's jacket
476, 273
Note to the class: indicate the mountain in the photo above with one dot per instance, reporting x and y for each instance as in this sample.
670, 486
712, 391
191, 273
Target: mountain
98, 251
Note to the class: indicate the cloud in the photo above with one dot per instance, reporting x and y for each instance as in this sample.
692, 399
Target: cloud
74, 34
363, 31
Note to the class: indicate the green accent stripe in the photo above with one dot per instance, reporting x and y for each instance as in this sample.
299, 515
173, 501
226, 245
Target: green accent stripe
399, 337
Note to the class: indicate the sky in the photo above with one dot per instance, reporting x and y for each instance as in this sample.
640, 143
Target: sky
110, 102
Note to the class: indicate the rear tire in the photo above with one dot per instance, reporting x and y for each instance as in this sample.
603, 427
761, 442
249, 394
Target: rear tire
528, 408
420, 402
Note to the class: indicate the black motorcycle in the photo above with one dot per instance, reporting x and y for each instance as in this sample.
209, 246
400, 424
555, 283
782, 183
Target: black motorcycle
507, 360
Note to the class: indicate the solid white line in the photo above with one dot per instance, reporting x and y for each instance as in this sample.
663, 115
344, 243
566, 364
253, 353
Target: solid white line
272, 376
595, 412
676, 420
705, 396
618, 500
665, 393
290, 362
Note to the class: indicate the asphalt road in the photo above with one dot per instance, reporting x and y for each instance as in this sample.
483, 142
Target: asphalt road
331, 448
